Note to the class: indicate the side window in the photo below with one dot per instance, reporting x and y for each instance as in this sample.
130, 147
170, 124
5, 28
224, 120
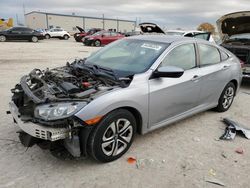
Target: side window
106, 34
182, 56
223, 55
113, 34
208, 54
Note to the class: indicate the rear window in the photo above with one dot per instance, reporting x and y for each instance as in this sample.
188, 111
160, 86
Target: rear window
209, 55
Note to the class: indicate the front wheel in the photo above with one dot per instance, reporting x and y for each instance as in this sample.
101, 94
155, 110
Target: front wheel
97, 43
113, 136
2, 38
34, 39
47, 36
226, 98
65, 37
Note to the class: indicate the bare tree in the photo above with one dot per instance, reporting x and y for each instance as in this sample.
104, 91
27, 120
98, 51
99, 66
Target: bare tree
206, 27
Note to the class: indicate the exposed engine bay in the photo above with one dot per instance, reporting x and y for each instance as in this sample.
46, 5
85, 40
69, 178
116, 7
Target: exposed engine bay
44, 102
72, 82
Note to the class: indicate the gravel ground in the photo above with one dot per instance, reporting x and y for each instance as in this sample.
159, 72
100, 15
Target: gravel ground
184, 154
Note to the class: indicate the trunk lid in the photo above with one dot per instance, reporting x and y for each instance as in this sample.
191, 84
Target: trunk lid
234, 23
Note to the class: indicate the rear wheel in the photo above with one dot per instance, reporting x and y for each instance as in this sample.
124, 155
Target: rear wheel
226, 98
47, 36
2, 38
97, 43
113, 136
66, 37
34, 39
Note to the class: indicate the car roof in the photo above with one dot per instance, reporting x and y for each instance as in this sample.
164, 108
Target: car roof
162, 38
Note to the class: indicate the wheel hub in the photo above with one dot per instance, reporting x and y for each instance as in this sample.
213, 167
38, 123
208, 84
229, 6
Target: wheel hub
117, 137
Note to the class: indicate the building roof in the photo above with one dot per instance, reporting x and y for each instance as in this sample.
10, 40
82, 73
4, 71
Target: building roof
55, 14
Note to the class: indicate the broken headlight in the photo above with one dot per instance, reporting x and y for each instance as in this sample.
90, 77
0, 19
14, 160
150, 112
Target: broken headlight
57, 110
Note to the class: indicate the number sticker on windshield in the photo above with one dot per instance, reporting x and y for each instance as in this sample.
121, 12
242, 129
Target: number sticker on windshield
152, 46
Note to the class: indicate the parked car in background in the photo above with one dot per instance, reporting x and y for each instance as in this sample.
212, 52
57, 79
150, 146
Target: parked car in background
20, 33
57, 33
79, 36
102, 38
234, 29
95, 106
132, 33
196, 34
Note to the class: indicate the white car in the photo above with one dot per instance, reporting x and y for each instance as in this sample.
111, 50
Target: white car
196, 34
57, 33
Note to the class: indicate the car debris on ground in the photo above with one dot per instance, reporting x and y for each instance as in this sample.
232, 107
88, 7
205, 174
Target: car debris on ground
239, 151
232, 128
215, 181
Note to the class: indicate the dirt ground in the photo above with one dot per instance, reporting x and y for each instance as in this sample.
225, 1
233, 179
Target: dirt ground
184, 154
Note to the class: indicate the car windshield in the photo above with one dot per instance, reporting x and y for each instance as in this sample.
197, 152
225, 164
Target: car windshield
128, 57
240, 36
98, 33
175, 33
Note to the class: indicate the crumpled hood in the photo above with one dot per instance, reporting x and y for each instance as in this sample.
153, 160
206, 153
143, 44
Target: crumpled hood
234, 23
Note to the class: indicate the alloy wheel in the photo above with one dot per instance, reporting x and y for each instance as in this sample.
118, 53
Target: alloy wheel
228, 97
34, 39
2, 38
117, 137
97, 43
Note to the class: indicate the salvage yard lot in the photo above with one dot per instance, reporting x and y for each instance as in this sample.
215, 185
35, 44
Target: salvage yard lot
184, 154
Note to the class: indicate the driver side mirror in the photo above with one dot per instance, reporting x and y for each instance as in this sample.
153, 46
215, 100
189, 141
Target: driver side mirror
169, 72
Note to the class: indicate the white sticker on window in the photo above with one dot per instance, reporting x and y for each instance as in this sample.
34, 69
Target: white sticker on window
151, 46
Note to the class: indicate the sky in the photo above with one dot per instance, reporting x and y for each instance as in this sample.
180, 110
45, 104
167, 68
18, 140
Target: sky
170, 14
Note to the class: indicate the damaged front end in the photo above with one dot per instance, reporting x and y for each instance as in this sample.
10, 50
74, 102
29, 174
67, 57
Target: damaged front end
44, 103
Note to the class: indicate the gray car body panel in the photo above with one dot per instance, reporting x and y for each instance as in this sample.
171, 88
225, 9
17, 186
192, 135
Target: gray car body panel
161, 101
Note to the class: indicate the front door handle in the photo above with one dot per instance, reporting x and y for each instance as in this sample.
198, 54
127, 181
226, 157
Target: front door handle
196, 77
225, 67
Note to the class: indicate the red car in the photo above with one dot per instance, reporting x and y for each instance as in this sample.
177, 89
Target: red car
79, 36
102, 38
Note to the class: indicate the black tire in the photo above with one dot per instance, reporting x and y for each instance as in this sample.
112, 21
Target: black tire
226, 98
97, 43
105, 137
47, 36
34, 39
65, 37
2, 38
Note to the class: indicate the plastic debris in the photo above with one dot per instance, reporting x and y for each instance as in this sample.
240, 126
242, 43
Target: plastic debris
239, 151
223, 155
212, 172
232, 128
131, 160
196, 139
214, 181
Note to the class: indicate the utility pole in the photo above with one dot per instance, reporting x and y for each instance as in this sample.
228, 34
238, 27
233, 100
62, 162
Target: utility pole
24, 15
103, 21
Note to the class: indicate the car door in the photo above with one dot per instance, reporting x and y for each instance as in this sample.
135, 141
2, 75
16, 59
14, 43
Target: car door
52, 32
170, 97
26, 33
214, 73
106, 38
15, 33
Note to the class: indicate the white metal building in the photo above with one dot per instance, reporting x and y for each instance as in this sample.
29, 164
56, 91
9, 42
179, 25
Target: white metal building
45, 20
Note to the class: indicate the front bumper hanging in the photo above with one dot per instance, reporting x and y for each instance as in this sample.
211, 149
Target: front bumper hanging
36, 130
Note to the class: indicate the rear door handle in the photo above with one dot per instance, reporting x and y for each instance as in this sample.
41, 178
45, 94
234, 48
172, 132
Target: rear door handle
196, 77
225, 67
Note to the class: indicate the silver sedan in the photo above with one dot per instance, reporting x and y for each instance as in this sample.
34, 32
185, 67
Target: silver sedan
134, 85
